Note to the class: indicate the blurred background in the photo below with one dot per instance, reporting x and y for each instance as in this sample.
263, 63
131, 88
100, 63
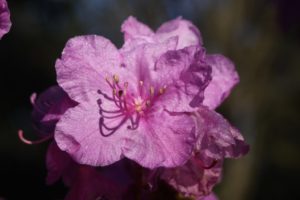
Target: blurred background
260, 36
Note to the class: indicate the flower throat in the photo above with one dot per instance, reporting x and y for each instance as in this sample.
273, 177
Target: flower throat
128, 106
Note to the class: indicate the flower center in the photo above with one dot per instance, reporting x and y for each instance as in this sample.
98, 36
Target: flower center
129, 106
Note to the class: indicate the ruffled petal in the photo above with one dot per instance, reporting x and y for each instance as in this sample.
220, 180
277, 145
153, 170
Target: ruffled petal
140, 59
156, 143
85, 64
78, 133
217, 138
185, 75
133, 29
192, 179
5, 22
187, 33
224, 78
48, 108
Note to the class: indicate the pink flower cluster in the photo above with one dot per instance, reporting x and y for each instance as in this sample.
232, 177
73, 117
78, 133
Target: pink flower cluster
148, 106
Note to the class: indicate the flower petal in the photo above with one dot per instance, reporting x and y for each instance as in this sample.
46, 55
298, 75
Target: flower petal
224, 78
48, 108
93, 184
59, 164
188, 34
133, 29
5, 22
217, 138
78, 133
185, 75
192, 179
158, 143
140, 59
85, 64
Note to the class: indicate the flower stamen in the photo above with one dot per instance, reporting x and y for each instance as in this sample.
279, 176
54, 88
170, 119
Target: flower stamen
162, 90
151, 91
116, 78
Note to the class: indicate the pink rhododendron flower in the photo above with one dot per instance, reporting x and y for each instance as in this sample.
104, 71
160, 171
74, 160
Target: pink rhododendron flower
151, 101
138, 101
5, 22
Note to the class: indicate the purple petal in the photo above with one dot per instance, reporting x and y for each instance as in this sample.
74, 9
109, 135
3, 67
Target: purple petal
156, 143
86, 182
185, 75
85, 64
188, 34
5, 22
133, 29
48, 108
217, 138
59, 164
192, 179
92, 184
140, 59
78, 133
224, 78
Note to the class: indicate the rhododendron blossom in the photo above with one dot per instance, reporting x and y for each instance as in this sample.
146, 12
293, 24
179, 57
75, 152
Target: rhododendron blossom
5, 22
152, 101
137, 102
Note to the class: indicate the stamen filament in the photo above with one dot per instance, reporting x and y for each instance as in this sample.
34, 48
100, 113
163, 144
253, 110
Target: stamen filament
30, 142
112, 130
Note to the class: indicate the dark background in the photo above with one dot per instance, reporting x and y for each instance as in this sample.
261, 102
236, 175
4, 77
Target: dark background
260, 36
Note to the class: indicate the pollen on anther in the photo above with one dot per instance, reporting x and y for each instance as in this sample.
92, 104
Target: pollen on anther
116, 78
151, 90
162, 90
148, 103
120, 93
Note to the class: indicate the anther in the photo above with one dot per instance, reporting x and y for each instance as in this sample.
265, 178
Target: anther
116, 78
114, 91
120, 93
151, 90
148, 103
162, 89
141, 83
107, 79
